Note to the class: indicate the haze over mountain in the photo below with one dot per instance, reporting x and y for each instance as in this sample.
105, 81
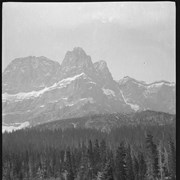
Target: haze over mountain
37, 90
125, 35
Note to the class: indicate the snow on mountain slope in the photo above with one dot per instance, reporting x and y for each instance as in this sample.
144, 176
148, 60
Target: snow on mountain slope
20, 96
14, 127
160, 83
159, 96
108, 92
133, 106
38, 90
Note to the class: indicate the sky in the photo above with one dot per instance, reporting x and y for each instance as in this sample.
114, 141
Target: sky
136, 39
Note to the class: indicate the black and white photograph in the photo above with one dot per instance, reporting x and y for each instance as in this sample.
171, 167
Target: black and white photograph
89, 90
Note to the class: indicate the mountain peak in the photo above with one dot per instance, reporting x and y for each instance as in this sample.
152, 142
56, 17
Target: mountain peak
102, 68
79, 50
76, 61
29, 73
36, 89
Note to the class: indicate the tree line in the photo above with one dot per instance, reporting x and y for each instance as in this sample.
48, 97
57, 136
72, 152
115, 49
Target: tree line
126, 153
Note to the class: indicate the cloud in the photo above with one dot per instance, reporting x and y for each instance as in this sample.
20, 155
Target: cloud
133, 14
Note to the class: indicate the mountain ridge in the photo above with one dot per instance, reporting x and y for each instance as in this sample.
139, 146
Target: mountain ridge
27, 57
106, 122
37, 90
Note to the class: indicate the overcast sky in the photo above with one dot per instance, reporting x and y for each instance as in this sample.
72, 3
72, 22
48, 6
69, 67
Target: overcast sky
135, 39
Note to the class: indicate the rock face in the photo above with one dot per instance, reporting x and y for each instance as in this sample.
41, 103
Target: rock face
103, 71
75, 62
28, 74
36, 90
157, 96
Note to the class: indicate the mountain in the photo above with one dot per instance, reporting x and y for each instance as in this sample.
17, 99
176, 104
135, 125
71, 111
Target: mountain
29, 74
75, 62
157, 96
38, 90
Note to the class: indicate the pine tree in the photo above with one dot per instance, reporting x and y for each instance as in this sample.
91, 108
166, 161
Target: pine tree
130, 173
90, 161
135, 168
68, 166
44, 166
97, 159
103, 153
73, 164
142, 166
6, 171
90, 151
161, 162
100, 176
152, 158
83, 167
39, 173
30, 169
107, 173
166, 163
120, 162
17, 167
172, 159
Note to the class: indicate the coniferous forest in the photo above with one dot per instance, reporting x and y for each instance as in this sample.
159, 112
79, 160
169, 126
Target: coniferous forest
125, 153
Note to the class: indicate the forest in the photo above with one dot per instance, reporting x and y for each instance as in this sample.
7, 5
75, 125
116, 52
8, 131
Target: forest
124, 153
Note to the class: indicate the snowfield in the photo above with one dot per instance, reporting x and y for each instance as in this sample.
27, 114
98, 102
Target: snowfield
108, 92
14, 128
21, 96
133, 106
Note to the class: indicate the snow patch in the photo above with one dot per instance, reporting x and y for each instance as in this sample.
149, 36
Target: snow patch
159, 84
20, 96
84, 100
108, 92
14, 128
87, 100
92, 82
133, 106
70, 104
72, 78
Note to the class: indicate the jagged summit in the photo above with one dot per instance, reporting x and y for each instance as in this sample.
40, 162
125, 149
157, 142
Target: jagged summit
79, 50
76, 58
76, 62
102, 68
